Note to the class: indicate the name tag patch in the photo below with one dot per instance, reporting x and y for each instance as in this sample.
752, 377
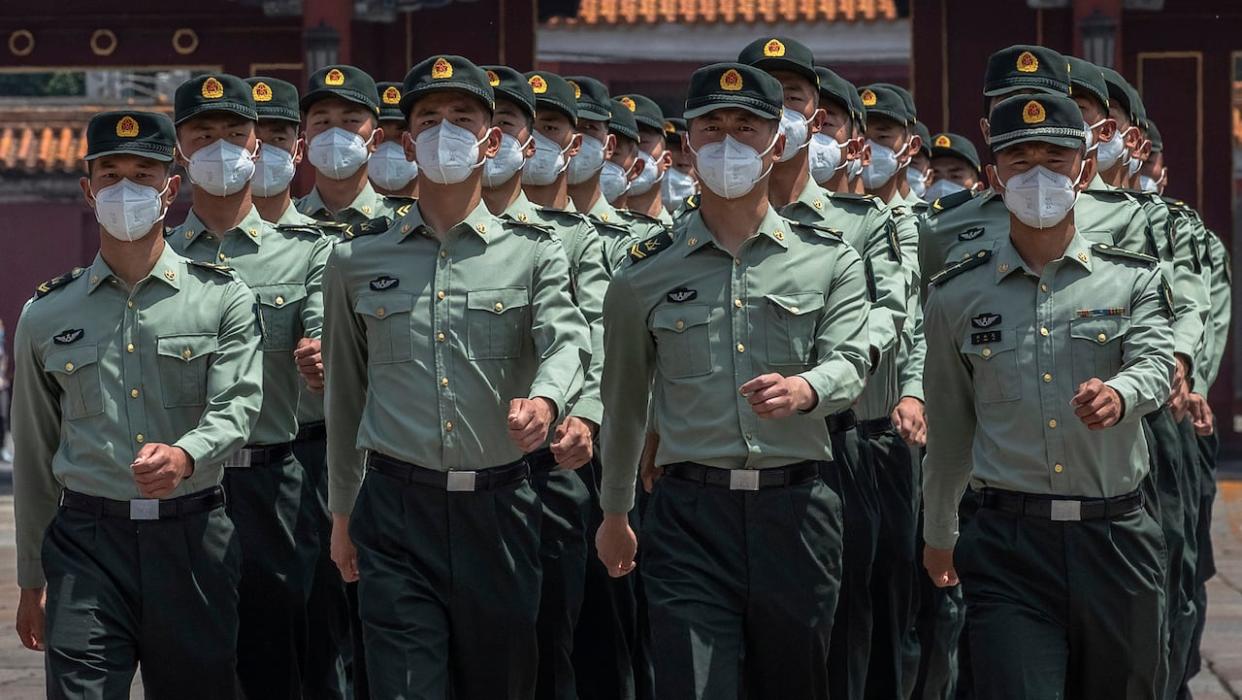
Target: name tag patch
985, 337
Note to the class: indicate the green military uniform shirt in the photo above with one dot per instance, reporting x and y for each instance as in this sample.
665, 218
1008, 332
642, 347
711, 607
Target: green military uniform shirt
102, 370
868, 226
615, 233
1006, 352
694, 324
1220, 279
428, 340
368, 205
912, 352
1176, 228
284, 268
588, 281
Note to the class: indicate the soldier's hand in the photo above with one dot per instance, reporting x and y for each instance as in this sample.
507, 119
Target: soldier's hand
1201, 416
939, 565
776, 396
1179, 390
910, 421
616, 544
159, 469
528, 422
1097, 405
309, 359
343, 552
573, 443
647, 469
30, 616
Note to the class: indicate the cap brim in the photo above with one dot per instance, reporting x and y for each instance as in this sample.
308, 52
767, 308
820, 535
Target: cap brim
951, 153
412, 96
572, 112
768, 65
237, 108
391, 114
162, 157
281, 115
354, 96
1014, 89
658, 125
520, 101
1063, 141
709, 108
593, 113
880, 112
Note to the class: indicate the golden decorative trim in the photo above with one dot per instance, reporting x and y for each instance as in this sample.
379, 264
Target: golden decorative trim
103, 42
26, 47
185, 41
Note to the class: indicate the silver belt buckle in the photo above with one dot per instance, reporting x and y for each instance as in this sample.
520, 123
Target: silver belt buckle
238, 460
1066, 511
144, 509
461, 481
744, 480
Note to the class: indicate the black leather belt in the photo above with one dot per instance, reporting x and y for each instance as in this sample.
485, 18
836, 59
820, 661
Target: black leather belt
259, 456
875, 426
312, 431
841, 422
1047, 507
144, 508
745, 479
481, 480
541, 461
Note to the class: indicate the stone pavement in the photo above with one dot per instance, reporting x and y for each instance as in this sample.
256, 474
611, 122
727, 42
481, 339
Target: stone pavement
21, 671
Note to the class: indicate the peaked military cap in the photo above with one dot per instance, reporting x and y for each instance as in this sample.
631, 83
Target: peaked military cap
1121, 94
346, 82
511, 85
441, 73
145, 134
214, 92
834, 87
646, 112
907, 98
592, 97
858, 108
1053, 119
956, 146
388, 95
1153, 135
622, 121
1086, 79
674, 130
723, 85
1024, 67
275, 99
780, 53
551, 90
885, 102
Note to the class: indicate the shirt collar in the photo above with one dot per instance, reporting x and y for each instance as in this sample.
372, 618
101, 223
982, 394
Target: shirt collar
168, 269
773, 227
251, 227
522, 209
1097, 183
366, 203
1006, 259
479, 221
812, 196
605, 212
292, 217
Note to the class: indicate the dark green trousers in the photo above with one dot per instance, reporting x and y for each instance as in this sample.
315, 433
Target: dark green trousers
448, 589
562, 555
851, 475
161, 593
279, 548
741, 588
890, 675
1063, 610
327, 609
1209, 447
941, 617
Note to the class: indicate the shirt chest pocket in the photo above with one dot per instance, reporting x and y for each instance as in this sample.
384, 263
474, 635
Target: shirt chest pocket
183, 362
280, 314
387, 318
994, 366
683, 341
77, 372
1096, 346
790, 321
495, 321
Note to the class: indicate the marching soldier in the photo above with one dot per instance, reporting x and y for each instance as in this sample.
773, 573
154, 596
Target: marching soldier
956, 164
644, 198
1062, 564
679, 182
267, 488
276, 102
136, 378
741, 311
388, 169
476, 310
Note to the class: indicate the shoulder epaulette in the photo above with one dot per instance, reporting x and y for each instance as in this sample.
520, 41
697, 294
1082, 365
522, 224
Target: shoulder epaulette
577, 217
169, 230
865, 201
645, 249
825, 232
332, 227
920, 207
57, 282
692, 202
598, 222
218, 269
312, 230
402, 205
959, 267
947, 202
1115, 252
369, 227
540, 227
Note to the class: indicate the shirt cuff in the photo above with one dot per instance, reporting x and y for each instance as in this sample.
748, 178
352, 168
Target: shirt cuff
195, 446
551, 393
616, 499
940, 535
30, 573
591, 409
1129, 400
341, 498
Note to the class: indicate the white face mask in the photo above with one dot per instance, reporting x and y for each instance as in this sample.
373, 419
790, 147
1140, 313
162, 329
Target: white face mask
1090, 133
508, 160
796, 129
649, 177
730, 168
1149, 185
273, 172
129, 211
943, 188
222, 168
337, 153
1133, 166
917, 181
677, 186
1039, 197
613, 181
1113, 151
884, 165
588, 162
447, 153
389, 169
826, 157
548, 162
854, 169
